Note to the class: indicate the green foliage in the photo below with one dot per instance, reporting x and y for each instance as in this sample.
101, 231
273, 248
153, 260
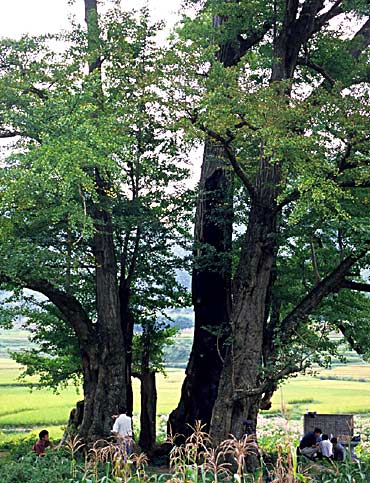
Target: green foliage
134, 124
71, 124
30, 468
348, 471
55, 356
314, 128
155, 337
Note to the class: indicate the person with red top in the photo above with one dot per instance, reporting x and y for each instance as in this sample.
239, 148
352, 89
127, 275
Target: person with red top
40, 446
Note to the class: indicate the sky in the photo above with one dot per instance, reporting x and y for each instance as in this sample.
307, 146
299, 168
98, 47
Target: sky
49, 16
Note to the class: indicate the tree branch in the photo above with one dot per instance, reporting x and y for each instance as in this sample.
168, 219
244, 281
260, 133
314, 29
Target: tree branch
253, 39
293, 196
291, 11
42, 94
361, 40
351, 341
124, 255
134, 256
317, 68
243, 393
69, 306
328, 285
230, 154
310, 9
245, 123
323, 19
354, 184
359, 286
4, 133
314, 261
343, 164
71, 309
235, 164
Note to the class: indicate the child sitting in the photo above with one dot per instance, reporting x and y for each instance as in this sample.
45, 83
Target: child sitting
43, 443
325, 447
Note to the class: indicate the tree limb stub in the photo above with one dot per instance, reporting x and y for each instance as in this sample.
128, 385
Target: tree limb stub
360, 287
4, 134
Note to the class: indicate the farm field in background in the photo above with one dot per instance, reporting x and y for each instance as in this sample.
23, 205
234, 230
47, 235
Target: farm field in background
323, 396
20, 408
13, 341
23, 409
355, 371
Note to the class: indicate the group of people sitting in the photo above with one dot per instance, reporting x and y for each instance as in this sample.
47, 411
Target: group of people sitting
316, 445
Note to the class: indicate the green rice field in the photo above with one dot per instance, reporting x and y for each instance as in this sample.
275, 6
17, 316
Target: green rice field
22, 409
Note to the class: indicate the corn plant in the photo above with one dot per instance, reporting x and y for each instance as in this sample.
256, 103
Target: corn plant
214, 463
239, 450
73, 446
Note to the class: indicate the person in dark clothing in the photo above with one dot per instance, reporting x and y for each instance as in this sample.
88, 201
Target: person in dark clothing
40, 446
338, 450
310, 442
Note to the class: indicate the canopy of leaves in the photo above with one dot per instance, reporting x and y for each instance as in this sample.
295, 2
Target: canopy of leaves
313, 127
65, 123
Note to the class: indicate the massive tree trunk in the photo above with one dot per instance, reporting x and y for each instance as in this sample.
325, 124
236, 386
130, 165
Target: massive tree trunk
104, 364
238, 400
105, 367
102, 358
211, 284
211, 289
241, 389
211, 279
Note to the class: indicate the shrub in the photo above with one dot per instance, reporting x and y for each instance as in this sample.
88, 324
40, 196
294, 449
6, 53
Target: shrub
32, 469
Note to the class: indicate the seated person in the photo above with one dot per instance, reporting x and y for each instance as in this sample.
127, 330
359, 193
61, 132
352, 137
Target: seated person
325, 447
43, 443
309, 443
338, 450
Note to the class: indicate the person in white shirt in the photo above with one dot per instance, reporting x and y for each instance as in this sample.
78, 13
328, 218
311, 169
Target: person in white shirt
325, 447
122, 430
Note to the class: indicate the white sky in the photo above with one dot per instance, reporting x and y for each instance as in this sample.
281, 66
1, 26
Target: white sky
49, 16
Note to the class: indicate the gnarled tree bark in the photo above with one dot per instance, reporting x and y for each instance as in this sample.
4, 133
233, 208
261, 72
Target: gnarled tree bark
211, 292
240, 389
211, 278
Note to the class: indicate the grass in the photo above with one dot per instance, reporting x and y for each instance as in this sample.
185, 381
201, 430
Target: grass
353, 370
329, 396
20, 408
